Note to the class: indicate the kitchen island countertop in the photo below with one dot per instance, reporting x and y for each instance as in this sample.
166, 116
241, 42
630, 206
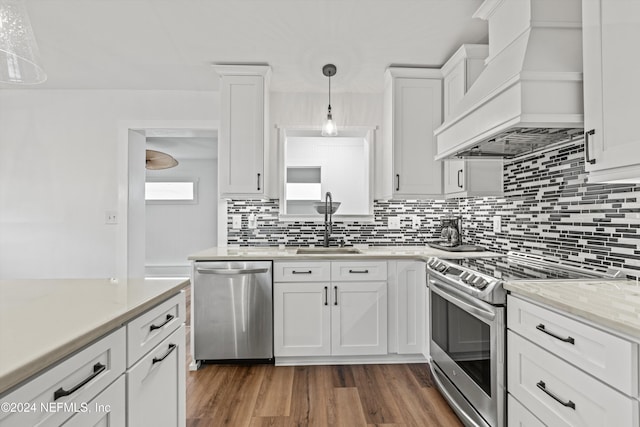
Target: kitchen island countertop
368, 252
614, 304
43, 321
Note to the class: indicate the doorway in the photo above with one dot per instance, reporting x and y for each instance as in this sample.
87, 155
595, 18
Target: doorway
155, 238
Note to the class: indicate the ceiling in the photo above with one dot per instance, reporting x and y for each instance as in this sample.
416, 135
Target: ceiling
171, 44
184, 144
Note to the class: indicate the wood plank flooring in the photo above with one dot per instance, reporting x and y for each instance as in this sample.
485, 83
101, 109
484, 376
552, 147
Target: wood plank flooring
341, 395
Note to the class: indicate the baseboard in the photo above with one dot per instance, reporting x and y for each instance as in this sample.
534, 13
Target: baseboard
350, 360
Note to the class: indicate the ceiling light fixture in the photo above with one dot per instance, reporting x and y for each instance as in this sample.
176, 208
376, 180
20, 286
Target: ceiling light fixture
19, 54
329, 128
156, 160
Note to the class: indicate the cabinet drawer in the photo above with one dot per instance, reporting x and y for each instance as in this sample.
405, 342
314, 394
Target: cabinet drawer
83, 376
152, 327
572, 398
156, 385
347, 271
107, 409
519, 416
603, 355
306, 271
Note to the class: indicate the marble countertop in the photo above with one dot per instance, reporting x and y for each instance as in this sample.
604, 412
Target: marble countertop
382, 252
43, 321
614, 304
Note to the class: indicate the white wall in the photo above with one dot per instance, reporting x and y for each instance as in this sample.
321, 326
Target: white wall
174, 231
58, 174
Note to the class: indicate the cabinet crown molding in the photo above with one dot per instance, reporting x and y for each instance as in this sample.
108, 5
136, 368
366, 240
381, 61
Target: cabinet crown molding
413, 72
466, 51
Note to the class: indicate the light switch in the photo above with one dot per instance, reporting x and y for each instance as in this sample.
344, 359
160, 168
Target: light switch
252, 221
415, 222
393, 222
237, 221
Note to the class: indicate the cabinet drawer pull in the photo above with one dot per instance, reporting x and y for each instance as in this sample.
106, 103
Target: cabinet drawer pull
168, 319
258, 182
301, 272
358, 271
569, 404
164, 356
98, 368
335, 290
459, 178
397, 182
570, 340
326, 295
586, 146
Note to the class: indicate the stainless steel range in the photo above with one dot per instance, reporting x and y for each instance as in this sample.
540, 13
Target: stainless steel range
468, 330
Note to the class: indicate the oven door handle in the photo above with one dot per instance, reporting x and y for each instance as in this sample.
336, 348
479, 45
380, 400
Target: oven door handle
468, 304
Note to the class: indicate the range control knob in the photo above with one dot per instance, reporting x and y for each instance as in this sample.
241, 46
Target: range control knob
441, 267
480, 283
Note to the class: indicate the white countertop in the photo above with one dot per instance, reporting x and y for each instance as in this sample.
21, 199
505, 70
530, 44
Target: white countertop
614, 304
386, 252
43, 321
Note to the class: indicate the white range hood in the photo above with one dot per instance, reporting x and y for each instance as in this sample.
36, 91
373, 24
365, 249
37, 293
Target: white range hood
530, 92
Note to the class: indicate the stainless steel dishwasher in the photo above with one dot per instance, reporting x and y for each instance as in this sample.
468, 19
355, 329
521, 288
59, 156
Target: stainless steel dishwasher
232, 317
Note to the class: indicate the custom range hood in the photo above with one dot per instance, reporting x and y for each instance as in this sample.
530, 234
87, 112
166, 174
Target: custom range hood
530, 93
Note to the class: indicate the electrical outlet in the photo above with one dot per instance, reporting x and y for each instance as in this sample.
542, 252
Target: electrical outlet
415, 222
237, 221
111, 217
393, 222
497, 224
252, 221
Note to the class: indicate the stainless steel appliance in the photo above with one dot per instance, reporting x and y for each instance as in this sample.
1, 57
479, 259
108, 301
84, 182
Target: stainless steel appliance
451, 237
232, 311
468, 331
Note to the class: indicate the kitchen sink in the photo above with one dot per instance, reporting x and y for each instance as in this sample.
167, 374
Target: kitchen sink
320, 251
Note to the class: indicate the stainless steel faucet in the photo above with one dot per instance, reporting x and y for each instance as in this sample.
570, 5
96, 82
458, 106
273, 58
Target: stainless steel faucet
328, 212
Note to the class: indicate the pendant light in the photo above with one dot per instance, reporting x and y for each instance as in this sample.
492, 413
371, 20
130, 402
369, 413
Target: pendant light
19, 54
329, 127
156, 160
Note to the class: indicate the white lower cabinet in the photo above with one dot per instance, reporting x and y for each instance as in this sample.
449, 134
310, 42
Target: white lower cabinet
57, 394
567, 372
518, 415
332, 318
156, 387
359, 318
156, 384
108, 409
302, 319
410, 284
323, 319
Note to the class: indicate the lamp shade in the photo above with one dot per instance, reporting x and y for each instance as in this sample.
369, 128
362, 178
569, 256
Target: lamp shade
19, 54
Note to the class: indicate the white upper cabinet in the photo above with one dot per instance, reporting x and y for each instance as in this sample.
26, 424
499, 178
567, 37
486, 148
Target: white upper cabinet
473, 178
611, 30
460, 71
412, 111
244, 136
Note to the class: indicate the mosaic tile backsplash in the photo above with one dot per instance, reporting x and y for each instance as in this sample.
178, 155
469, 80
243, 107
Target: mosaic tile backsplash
547, 209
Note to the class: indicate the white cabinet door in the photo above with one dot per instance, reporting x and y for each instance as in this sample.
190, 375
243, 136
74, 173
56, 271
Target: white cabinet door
412, 110
302, 319
454, 176
411, 309
243, 138
156, 385
611, 30
107, 409
473, 178
358, 318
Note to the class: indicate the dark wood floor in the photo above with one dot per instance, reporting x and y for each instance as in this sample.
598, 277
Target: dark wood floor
344, 395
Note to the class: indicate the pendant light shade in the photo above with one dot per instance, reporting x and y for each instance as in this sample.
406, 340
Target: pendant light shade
329, 127
156, 160
19, 54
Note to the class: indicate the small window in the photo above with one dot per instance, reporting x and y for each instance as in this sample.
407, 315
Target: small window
170, 191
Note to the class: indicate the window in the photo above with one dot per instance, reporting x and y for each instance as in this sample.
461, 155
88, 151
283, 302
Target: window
170, 191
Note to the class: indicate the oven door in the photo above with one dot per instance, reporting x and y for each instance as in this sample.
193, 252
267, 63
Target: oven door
467, 346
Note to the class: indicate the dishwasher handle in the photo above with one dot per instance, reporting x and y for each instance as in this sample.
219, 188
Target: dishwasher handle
231, 271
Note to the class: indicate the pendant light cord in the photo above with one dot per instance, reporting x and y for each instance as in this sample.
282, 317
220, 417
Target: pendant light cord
329, 94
